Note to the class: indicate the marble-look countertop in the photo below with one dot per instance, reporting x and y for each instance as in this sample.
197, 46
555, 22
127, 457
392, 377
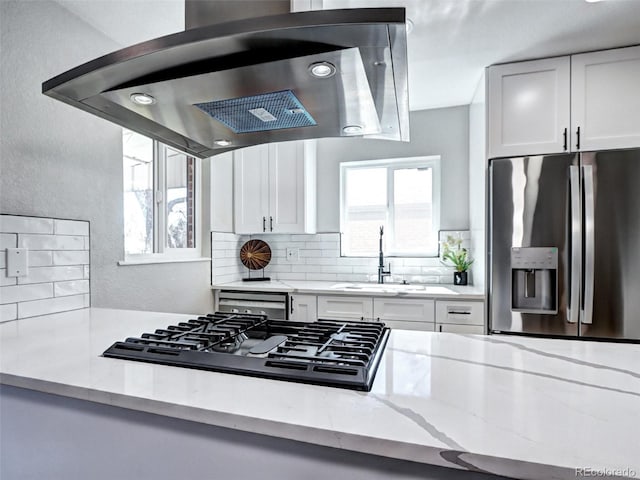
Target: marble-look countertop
449, 292
520, 407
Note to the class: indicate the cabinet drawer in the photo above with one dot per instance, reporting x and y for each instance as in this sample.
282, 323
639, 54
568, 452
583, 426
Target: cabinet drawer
453, 328
420, 326
403, 309
461, 313
345, 308
303, 308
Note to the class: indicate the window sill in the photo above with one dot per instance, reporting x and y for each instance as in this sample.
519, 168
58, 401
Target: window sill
151, 261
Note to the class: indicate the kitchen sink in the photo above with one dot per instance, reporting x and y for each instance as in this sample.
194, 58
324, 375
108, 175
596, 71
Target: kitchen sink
392, 287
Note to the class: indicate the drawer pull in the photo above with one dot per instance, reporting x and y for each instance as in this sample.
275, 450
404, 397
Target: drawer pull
453, 312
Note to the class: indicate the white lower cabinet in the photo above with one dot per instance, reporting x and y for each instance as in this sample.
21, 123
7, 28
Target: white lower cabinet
303, 308
405, 313
345, 308
453, 328
459, 317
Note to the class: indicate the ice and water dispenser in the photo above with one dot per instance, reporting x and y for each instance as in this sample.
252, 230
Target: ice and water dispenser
534, 280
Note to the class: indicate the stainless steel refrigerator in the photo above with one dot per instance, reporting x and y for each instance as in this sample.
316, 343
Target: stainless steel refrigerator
564, 246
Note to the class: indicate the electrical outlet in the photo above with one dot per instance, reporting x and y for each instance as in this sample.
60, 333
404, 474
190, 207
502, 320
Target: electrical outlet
293, 254
17, 262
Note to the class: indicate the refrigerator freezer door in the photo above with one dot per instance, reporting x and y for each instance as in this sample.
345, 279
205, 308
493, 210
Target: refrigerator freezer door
612, 270
531, 207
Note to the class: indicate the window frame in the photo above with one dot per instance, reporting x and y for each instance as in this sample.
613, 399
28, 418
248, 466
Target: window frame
161, 252
392, 164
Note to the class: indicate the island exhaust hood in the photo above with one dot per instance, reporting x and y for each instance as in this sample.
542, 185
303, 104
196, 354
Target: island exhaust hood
218, 87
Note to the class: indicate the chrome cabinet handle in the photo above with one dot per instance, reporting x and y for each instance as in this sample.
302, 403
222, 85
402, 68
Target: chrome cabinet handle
589, 244
564, 145
573, 306
264, 224
271, 223
291, 306
578, 138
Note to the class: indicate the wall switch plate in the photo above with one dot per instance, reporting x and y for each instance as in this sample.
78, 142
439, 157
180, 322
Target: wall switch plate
17, 262
293, 254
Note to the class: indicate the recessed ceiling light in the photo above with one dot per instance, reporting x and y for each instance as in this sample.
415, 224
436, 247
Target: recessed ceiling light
222, 142
142, 98
352, 129
322, 69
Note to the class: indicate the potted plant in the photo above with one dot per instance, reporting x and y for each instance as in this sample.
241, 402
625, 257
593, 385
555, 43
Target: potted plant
458, 257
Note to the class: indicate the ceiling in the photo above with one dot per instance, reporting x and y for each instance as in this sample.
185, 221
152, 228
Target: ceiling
451, 42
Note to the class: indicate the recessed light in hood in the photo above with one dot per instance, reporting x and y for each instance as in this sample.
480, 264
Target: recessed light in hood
142, 99
200, 72
322, 69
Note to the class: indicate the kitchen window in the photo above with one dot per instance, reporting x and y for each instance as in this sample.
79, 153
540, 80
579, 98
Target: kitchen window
403, 194
160, 201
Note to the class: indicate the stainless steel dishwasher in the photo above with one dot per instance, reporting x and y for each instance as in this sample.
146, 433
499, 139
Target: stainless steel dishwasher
272, 304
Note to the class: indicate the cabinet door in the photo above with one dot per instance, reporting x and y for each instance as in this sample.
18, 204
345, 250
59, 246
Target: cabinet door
403, 310
529, 105
469, 313
417, 326
251, 189
345, 308
286, 188
453, 328
605, 98
303, 308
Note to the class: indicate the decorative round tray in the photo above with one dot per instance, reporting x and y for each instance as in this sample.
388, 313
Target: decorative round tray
255, 254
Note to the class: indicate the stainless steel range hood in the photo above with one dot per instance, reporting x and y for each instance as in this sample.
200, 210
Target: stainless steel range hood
230, 85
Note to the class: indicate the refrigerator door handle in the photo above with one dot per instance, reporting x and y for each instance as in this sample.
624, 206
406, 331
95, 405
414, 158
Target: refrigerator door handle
589, 244
573, 305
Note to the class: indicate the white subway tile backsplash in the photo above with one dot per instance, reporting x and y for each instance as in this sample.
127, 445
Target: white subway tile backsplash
52, 305
225, 262
51, 242
4, 280
52, 274
58, 265
71, 257
22, 293
19, 224
322, 277
278, 268
40, 258
70, 227
310, 253
319, 259
87, 243
293, 276
73, 287
8, 312
336, 269
8, 240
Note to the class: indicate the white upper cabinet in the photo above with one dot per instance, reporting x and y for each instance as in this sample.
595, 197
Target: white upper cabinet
529, 106
251, 188
605, 98
596, 96
274, 188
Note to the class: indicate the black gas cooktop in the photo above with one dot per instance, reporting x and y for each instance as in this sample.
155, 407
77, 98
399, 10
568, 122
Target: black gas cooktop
327, 352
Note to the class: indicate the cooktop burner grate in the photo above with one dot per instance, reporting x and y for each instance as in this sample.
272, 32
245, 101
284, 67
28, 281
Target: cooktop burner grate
326, 352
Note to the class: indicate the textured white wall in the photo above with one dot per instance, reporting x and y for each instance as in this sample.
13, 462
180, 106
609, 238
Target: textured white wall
57, 161
443, 132
477, 182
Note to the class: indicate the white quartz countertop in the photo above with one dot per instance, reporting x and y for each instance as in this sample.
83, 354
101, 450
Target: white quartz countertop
519, 407
359, 289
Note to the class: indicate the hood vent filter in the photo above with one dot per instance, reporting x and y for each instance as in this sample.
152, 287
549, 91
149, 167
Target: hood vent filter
259, 113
